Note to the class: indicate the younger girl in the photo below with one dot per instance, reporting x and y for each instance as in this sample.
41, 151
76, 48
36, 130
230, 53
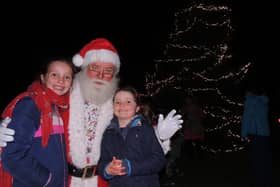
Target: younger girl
130, 141
37, 157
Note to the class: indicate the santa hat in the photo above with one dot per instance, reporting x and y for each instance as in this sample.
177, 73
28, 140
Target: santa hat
98, 50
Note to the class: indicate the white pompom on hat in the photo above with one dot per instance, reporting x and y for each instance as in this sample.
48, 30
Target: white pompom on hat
98, 50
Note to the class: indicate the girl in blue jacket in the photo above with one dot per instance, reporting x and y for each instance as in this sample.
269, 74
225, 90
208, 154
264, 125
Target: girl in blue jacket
37, 157
130, 152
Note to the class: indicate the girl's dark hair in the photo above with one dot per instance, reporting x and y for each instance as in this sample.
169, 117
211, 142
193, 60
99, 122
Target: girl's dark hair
43, 69
147, 109
130, 89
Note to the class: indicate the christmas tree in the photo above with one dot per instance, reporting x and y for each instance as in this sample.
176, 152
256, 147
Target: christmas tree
199, 59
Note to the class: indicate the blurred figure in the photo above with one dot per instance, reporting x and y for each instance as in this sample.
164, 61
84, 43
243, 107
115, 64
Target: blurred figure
255, 127
193, 127
186, 142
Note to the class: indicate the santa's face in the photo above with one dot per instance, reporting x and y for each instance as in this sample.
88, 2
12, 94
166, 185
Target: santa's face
98, 82
101, 70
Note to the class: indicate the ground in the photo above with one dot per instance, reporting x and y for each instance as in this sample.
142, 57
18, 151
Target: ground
219, 170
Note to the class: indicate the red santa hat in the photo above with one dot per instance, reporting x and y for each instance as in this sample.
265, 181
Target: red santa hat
98, 50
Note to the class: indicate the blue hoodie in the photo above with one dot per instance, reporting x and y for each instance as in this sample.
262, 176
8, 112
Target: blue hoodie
255, 116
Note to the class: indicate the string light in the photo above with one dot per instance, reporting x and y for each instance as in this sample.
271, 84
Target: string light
198, 60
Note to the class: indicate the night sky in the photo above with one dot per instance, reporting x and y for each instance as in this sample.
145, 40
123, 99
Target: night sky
30, 33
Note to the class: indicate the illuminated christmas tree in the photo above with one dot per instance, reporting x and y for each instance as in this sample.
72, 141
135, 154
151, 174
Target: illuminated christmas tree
199, 60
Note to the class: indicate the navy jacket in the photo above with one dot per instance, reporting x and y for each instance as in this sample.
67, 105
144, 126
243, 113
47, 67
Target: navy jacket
139, 145
25, 159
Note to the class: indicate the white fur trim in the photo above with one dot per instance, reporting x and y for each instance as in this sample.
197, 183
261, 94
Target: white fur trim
77, 60
101, 55
77, 134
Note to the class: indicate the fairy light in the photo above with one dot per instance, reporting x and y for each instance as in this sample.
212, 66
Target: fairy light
197, 59
229, 75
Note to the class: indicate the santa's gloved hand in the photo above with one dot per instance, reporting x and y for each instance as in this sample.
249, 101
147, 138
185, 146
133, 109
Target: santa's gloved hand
6, 134
169, 125
165, 146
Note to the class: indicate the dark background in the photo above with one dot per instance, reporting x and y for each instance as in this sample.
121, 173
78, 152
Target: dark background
139, 31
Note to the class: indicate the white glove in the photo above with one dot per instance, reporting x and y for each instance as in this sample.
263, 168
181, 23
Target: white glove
6, 134
165, 146
169, 126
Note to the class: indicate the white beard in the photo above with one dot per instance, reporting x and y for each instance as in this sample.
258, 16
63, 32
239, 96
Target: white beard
94, 93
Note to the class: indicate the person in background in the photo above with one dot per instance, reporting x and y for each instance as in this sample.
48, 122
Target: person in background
255, 126
37, 156
91, 110
130, 138
193, 127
